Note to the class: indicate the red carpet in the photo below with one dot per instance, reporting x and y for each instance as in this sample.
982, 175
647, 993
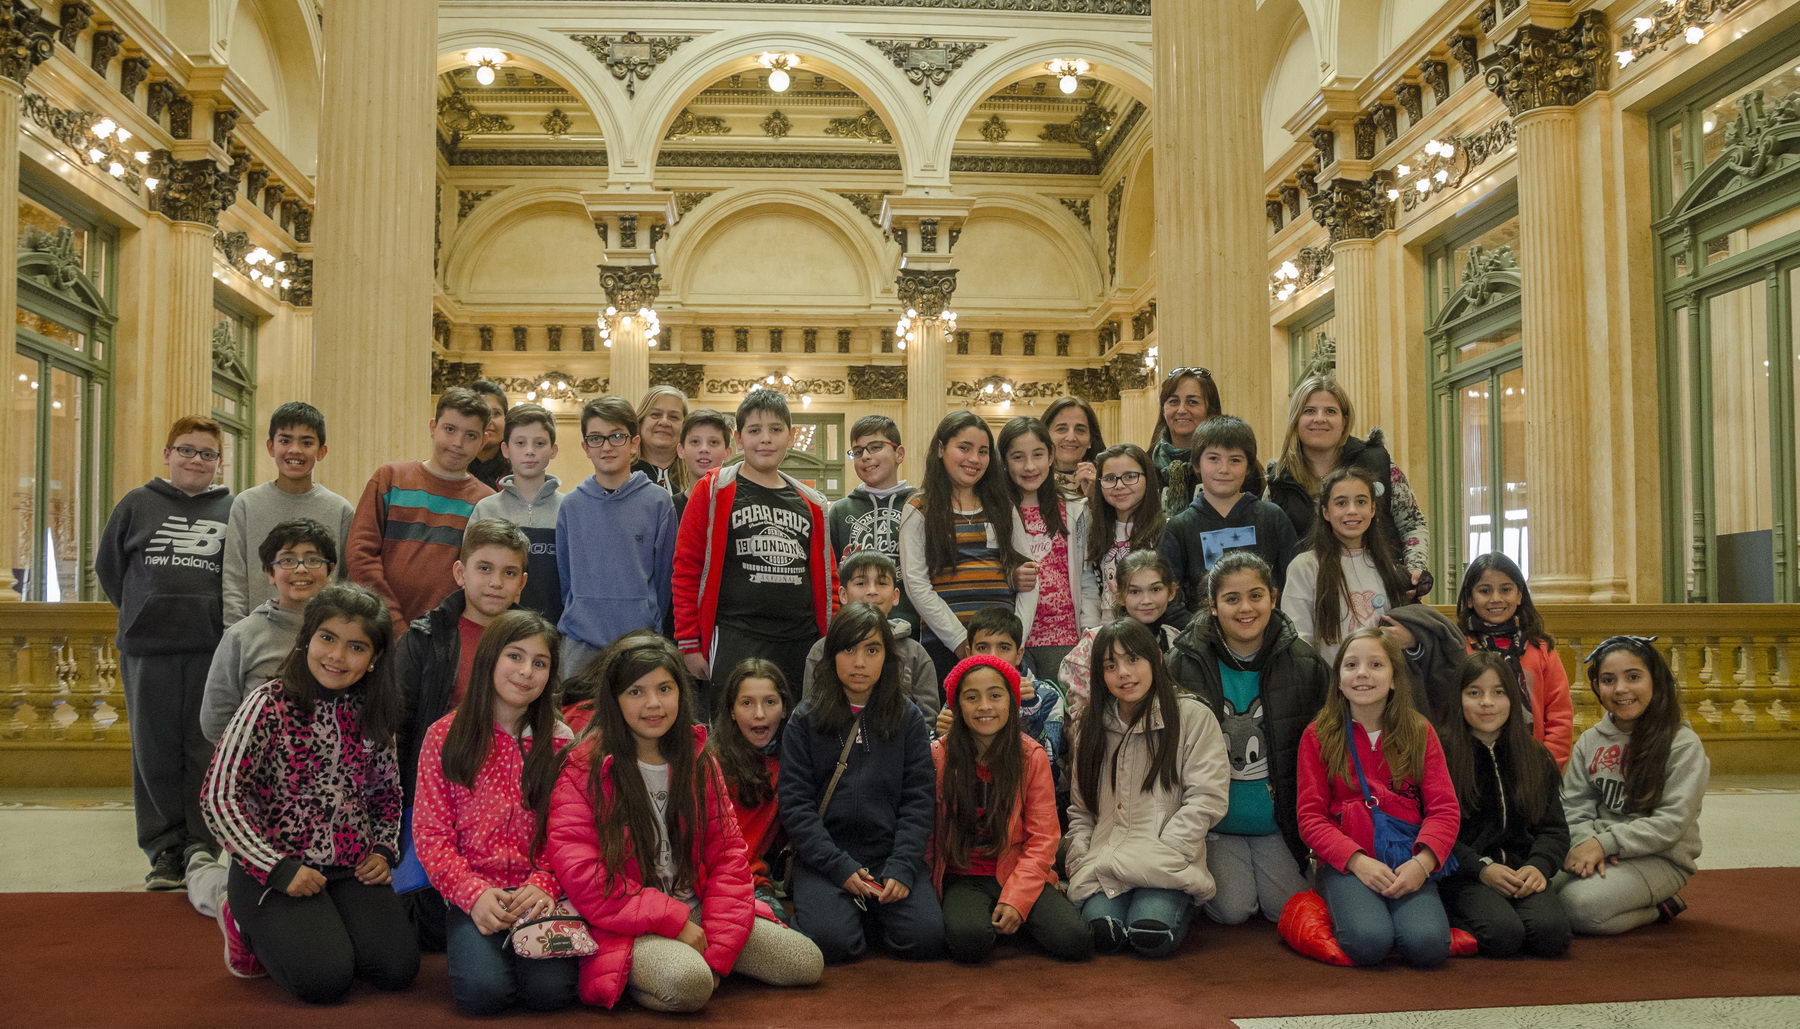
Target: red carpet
113, 959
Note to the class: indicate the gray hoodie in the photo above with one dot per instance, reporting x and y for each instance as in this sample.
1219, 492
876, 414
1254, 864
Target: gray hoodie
1593, 795
536, 517
250, 654
918, 677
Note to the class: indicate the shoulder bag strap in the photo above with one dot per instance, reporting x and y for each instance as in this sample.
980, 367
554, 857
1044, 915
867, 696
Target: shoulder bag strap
843, 762
1356, 759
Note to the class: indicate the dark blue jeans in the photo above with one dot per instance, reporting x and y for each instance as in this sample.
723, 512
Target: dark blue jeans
486, 977
1369, 926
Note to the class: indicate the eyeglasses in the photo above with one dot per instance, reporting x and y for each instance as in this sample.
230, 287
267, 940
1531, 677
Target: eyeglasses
1640, 641
595, 440
190, 453
875, 449
1121, 479
311, 562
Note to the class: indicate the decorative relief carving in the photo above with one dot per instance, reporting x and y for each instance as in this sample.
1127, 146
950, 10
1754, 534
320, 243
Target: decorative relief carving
927, 62
1412, 100
75, 15
1081, 208
631, 57
461, 117
224, 120
1308, 181
628, 229
1551, 67
867, 125
1028, 343
519, 333
560, 157
996, 343
440, 329
446, 373
300, 281
776, 337
687, 123
776, 125
971, 392
132, 73
684, 377
928, 235
469, 199
995, 129
629, 287
1094, 385
1387, 119
1115, 198
486, 334
688, 200
1007, 164
62, 264
181, 117
1128, 371
108, 43
926, 290
1365, 139
815, 387
71, 128
740, 340
1273, 210
192, 191
1486, 17
1352, 208
562, 385
1312, 262
1436, 74
876, 381
1463, 48
843, 341
1325, 142
1108, 336
867, 203
1085, 130
589, 338
1290, 199
157, 97
1132, 8
809, 341
271, 198
1489, 273
557, 124
776, 159
1062, 343
1143, 322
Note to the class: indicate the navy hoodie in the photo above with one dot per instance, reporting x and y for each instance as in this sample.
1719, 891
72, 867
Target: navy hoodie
881, 815
160, 561
615, 554
1199, 535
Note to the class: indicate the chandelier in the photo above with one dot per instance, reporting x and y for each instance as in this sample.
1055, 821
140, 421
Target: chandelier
787, 386
485, 60
907, 329
779, 65
109, 151
1671, 20
1068, 72
612, 320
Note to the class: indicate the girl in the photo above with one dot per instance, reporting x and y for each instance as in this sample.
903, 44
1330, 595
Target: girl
1125, 518
304, 790
856, 799
1513, 837
1148, 595
485, 769
642, 838
1346, 578
956, 537
1495, 611
746, 742
1369, 750
1149, 784
1244, 661
997, 829
1318, 440
1075, 432
1632, 795
659, 416
1051, 534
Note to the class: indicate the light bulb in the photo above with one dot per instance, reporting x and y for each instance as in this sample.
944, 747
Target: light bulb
650, 342
1007, 386
281, 266
1403, 170
1447, 150
1625, 57
1695, 33
1443, 175
285, 283
544, 385
104, 127
142, 156
769, 378
911, 314
116, 170
485, 75
152, 182
625, 322
987, 388
609, 344
1068, 84
96, 154
1424, 185
1643, 24
787, 380
531, 396
611, 310
123, 135
1393, 194
778, 80
901, 345
806, 400
643, 312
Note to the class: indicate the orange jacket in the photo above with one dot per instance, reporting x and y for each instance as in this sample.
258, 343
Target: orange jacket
1023, 865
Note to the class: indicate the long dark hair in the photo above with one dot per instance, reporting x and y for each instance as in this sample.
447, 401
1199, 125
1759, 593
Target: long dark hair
1049, 494
1534, 780
1096, 442
741, 764
964, 822
1209, 391
886, 710
1147, 519
1331, 589
1136, 640
1531, 624
626, 822
471, 732
1647, 759
937, 497
380, 691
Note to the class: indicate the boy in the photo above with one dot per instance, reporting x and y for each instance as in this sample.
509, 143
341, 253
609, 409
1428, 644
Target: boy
528, 498
432, 660
753, 567
870, 577
705, 445
160, 559
998, 631
298, 557
491, 464
296, 443
409, 523
869, 517
615, 540
1223, 516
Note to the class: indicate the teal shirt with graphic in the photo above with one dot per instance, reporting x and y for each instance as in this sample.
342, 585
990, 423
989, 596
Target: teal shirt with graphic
1252, 807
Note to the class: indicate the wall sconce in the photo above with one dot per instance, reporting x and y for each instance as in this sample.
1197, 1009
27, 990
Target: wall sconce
783, 383
907, 329
779, 65
1068, 72
1672, 20
612, 320
485, 60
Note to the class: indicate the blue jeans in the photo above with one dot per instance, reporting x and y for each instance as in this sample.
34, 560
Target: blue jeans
486, 977
1149, 920
1369, 926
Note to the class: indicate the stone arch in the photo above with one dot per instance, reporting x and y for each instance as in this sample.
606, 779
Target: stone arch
994, 68
275, 48
467, 247
1290, 77
666, 92
1137, 224
875, 257
1025, 210
571, 68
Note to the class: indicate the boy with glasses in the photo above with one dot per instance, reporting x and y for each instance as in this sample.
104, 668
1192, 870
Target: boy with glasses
868, 518
296, 444
160, 559
615, 540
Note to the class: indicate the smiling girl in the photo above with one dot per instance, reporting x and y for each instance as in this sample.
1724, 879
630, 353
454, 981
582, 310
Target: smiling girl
1125, 517
1632, 795
1346, 578
1494, 610
1050, 532
746, 742
1147, 595
304, 790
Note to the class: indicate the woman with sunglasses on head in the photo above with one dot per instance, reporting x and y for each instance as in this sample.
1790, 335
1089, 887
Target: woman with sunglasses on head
1188, 397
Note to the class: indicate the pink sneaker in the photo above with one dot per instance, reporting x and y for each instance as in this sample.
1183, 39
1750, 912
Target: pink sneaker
240, 960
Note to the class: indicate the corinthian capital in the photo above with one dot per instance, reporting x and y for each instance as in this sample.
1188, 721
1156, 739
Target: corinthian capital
24, 40
1543, 67
629, 287
1352, 208
926, 290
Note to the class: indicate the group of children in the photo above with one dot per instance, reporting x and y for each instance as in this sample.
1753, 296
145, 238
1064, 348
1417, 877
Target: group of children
689, 718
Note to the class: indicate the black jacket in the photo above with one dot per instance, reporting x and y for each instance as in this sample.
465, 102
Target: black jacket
1490, 829
1269, 537
1293, 689
1438, 648
1371, 455
881, 815
425, 661
160, 559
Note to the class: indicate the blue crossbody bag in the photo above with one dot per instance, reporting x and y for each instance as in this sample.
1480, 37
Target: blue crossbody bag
1395, 838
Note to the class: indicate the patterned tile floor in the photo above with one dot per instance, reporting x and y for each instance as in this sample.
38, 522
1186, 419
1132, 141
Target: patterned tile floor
1712, 1012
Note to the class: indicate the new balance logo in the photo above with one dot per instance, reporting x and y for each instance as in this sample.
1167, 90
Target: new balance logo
202, 537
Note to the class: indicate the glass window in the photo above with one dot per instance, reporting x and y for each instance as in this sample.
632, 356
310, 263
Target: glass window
21, 471
1509, 399
1505, 234
31, 321
1486, 343
34, 216
64, 489
1312, 338
1718, 115
234, 394
1475, 440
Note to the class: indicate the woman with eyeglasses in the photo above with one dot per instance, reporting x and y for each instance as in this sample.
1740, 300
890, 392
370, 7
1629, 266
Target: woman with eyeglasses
1125, 518
1318, 441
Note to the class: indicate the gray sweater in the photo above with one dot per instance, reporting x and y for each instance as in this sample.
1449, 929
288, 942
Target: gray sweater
1593, 796
250, 654
256, 511
918, 677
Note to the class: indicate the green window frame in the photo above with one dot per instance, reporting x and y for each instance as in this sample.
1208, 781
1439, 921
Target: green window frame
816, 456
234, 394
1312, 336
1479, 501
61, 380
1726, 187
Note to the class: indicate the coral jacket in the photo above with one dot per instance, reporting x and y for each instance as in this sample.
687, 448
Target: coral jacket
1335, 822
1552, 711
761, 825
1024, 864
630, 908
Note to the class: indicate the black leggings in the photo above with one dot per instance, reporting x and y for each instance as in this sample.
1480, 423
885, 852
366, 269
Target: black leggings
969, 902
314, 946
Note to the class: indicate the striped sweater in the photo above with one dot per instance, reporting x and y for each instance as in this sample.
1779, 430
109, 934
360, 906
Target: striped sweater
947, 599
286, 789
406, 534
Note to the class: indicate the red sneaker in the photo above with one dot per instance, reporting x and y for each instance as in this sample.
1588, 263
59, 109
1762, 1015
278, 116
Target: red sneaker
240, 960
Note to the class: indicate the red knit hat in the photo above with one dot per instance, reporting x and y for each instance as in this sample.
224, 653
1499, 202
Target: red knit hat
974, 661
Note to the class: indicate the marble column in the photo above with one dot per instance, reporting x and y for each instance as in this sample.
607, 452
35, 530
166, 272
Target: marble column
1212, 296
1354, 212
1541, 74
628, 290
927, 292
373, 234
1137, 414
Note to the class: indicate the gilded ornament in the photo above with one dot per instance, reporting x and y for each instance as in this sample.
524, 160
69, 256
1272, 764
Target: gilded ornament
994, 129
867, 125
1551, 67
687, 123
1081, 208
926, 63
556, 124
926, 290
631, 57
776, 125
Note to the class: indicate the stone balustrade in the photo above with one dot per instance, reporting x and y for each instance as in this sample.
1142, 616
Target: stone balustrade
62, 703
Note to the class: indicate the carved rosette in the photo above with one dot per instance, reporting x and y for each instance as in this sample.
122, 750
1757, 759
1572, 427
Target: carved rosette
876, 382
25, 41
1352, 208
684, 377
1551, 67
629, 287
926, 290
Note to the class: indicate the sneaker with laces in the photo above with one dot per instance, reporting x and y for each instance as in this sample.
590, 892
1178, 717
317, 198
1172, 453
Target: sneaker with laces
165, 872
240, 960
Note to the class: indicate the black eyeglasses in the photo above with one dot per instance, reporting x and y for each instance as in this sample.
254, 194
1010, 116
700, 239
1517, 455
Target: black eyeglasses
1640, 641
875, 449
1196, 371
191, 452
312, 563
1121, 479
596, 440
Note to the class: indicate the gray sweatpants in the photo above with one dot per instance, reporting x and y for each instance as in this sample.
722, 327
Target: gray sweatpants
168, 753
1252, 873
1622, 899
668, 975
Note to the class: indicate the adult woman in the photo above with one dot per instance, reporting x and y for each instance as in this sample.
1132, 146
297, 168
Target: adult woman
1075, 433
659, 416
